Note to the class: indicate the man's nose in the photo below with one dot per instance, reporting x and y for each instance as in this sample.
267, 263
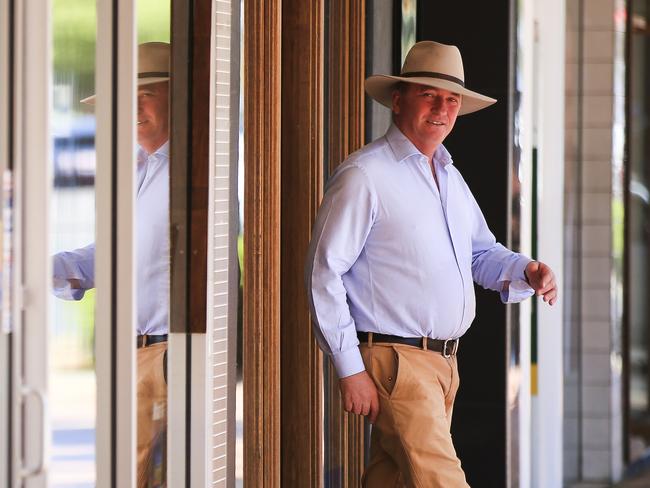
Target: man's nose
438, 105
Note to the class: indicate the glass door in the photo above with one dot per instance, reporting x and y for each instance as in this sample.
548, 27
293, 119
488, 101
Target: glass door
71, 330
72, 115
69, 385
29, 156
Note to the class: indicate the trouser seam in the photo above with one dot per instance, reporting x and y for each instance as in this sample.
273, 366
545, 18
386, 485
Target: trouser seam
416, 479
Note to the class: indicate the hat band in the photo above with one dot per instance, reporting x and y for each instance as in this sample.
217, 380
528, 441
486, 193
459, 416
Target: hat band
433, 74
153, 74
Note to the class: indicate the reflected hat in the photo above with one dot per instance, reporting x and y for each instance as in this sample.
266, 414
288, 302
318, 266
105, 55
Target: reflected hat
153, 65
432, 64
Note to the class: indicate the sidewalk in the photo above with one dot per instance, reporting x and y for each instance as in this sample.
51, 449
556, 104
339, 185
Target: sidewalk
72, 403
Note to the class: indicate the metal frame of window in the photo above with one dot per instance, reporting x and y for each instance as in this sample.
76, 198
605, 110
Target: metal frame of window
6, 89
114, 259
30, 72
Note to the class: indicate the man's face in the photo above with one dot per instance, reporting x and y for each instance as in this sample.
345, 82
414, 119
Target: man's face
425, 114
153, 115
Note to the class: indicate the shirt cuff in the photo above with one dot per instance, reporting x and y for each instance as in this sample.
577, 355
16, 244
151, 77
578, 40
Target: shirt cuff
518, 289
62, 289
60, 276
348, 362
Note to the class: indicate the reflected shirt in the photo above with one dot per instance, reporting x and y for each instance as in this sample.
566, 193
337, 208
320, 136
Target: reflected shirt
152, 248
393, 254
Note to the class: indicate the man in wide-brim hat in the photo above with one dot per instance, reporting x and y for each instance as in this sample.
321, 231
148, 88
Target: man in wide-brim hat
74, 271
398, 242
153, 65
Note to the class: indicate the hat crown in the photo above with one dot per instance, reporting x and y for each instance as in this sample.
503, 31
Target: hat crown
154, 57
434, 57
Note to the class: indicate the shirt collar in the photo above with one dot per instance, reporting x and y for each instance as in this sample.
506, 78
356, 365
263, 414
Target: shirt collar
162, 151
403, 148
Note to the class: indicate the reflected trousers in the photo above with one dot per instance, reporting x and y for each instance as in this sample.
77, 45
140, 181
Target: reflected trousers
411, 443
152, 416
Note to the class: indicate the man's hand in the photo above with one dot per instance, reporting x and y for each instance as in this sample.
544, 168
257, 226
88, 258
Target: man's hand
360, 395
541, 279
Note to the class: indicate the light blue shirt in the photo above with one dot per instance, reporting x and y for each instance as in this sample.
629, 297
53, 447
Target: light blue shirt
392, 254
152, 248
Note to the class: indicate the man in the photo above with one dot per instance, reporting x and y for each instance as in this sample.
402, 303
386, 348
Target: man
74, 271
398, 241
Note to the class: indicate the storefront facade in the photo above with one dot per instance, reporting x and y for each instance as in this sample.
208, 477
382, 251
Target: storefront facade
267, 99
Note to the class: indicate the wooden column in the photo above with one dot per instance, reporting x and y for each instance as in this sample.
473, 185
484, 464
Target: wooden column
302, 188
261, 338
345, 119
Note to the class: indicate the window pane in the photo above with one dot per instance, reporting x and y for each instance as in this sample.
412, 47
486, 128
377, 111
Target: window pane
72, 359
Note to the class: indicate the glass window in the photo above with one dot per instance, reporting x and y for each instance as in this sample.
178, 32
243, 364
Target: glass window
71, 370
72, 377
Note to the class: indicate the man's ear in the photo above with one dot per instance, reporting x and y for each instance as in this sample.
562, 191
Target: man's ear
396, 101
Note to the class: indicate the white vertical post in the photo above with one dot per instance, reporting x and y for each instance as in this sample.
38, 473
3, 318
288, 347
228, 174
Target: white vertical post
32, 264
16, 281
550, 15
124, 268
524, 43
5, 366
176, 411
114, 259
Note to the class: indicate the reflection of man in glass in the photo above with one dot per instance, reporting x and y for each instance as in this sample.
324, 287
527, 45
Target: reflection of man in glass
74, 271
397, 246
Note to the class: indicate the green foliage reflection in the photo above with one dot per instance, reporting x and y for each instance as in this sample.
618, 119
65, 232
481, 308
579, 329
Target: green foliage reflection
74, 35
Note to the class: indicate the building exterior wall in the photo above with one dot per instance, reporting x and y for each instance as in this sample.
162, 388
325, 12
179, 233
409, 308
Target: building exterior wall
593, 120
593, 449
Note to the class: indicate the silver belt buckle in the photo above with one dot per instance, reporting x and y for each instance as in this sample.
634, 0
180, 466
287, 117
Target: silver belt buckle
454, 348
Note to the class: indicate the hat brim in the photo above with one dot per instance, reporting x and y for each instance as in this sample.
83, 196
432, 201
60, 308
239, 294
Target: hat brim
141, 82
381, 87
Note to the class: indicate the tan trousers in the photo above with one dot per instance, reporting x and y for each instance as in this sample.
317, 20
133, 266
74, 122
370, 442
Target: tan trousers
411, 441
152, 416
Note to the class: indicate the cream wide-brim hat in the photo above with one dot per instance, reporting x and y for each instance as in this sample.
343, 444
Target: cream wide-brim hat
153, 65
432, 64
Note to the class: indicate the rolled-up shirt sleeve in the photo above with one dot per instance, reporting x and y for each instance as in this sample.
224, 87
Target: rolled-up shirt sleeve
342, 226
493, 264
73, 265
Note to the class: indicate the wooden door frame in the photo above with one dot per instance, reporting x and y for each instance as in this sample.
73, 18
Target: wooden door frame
302, 188
261, 335
285, 125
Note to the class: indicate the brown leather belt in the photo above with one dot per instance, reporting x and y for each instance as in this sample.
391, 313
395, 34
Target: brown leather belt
447, 348
149, 340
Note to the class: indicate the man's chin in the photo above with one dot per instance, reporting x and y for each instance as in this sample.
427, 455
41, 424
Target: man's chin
437, 132
141, 133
